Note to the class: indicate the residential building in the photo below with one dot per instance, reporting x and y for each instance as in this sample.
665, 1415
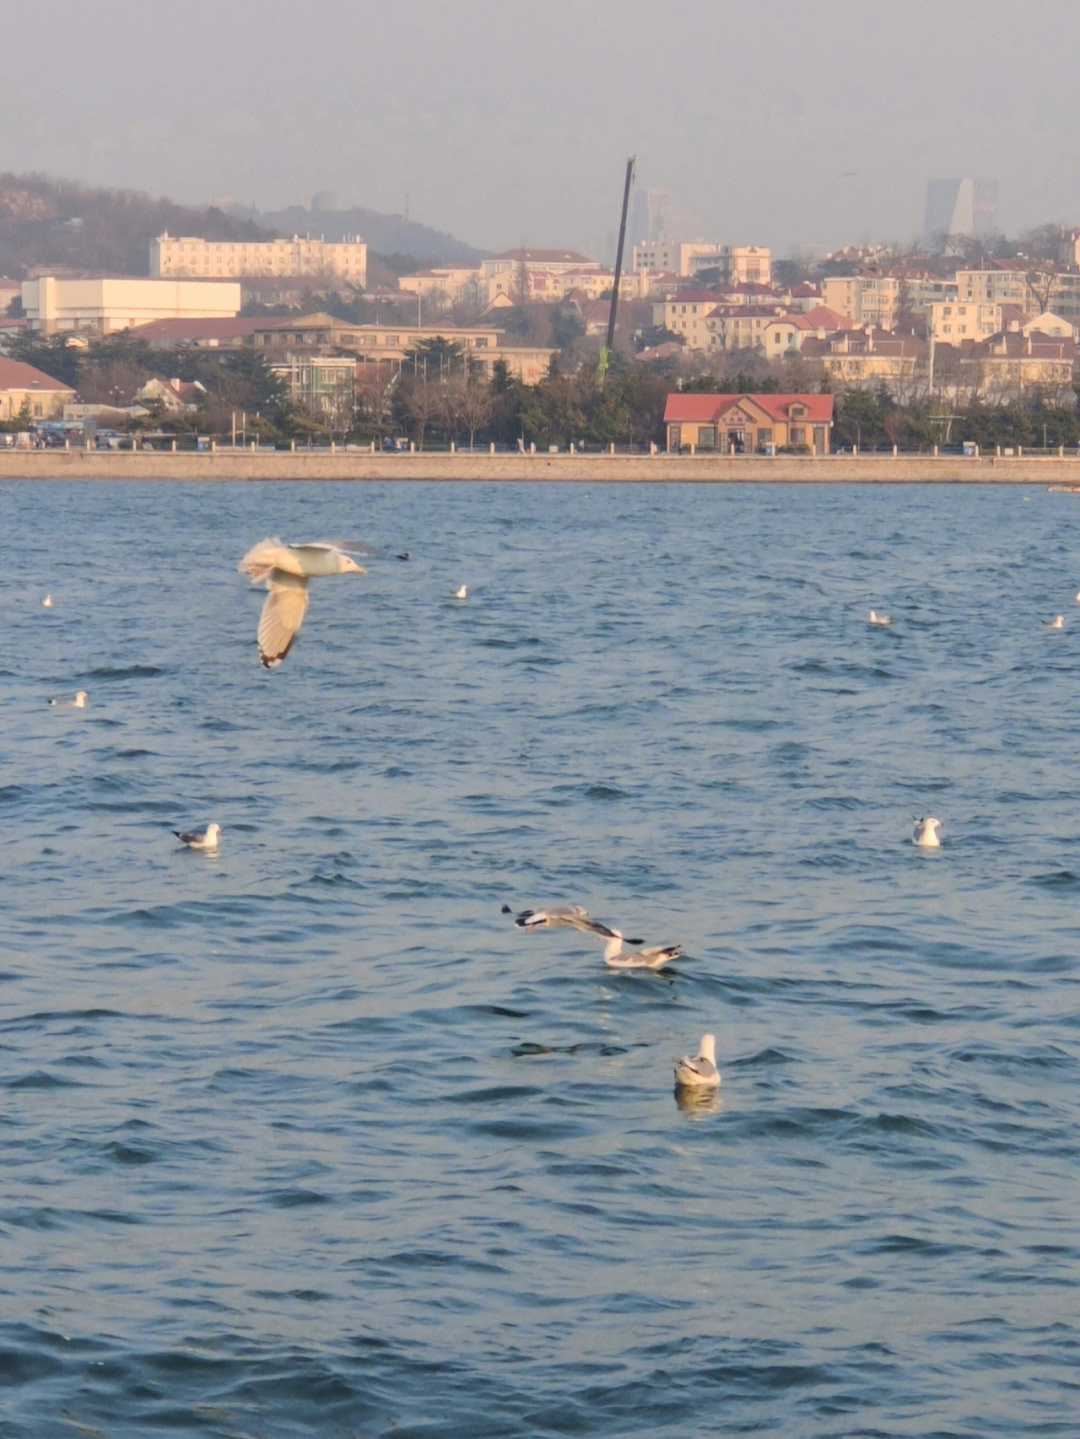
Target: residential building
744, 424
525, 274
190, 256
26, 387
444, 285
1069, 249
874, 359
685, 315
323, 384
674, 256
864, 299
1011, 364
318, 333
103, 306
956, 320
993, 286
175, 396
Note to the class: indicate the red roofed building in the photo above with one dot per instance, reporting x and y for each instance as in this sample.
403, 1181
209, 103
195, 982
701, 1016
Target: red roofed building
23, 385
745, 424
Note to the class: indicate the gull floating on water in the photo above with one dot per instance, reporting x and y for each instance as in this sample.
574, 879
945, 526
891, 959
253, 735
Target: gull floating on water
78, 703
925, 833
651, 957
876, 619
46, 603
462, 593
200, 839
286, 570
1057, 623
700, 1072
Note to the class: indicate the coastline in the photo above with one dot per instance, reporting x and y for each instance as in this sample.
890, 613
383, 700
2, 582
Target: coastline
362, 465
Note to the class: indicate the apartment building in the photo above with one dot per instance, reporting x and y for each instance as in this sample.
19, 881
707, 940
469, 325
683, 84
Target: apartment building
956, 320
190, 256
864, 299
993, 287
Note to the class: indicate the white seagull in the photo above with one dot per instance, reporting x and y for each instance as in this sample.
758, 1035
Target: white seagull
876, 619
200, 839
925, 834
78, 703
462, 593
651, 957
46, 603
286, 570
700, 1072
1057, 623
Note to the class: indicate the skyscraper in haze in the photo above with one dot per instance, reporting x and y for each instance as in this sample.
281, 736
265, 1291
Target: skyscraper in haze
654, 215
957, 208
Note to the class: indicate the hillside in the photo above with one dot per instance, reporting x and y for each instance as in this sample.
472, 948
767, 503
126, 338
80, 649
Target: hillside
61, 224
385, 235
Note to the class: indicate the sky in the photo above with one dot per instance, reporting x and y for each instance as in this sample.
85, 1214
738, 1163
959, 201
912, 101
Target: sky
507, 122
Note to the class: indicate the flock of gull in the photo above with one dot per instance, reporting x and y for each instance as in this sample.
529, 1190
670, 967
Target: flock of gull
286, 570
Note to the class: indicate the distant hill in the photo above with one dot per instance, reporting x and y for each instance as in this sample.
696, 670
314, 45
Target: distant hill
390, 236
63, 225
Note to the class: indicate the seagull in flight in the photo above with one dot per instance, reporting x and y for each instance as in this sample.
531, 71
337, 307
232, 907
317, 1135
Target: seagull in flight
700, 1072
570, 916
286, 570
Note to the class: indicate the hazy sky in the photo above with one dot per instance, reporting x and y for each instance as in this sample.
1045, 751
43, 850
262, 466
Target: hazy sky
506, 121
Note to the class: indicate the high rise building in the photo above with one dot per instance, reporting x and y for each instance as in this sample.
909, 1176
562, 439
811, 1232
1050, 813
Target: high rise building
959, 208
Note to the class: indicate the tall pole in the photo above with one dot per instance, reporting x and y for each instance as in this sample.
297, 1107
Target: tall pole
605, 353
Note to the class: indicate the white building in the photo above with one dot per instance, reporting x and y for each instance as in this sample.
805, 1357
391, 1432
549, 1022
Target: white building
189, 256
53, 305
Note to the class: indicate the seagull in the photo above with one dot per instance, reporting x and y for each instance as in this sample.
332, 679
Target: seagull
651, 957
699, 1072
462, 593
876, 619
196, 839
286, 570
925, 834
564, 917
1057, 623
78, 703
46, 603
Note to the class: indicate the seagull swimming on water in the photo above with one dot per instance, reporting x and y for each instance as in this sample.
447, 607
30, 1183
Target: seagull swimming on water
700, 1072
78, 703
46, 603
925, 833
200, 839
1057, 623
651, 957
461, 593
286, 570
880, 620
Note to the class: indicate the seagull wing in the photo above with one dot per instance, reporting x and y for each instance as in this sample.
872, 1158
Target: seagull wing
282, 615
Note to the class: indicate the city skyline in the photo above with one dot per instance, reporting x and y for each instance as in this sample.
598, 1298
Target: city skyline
510, 123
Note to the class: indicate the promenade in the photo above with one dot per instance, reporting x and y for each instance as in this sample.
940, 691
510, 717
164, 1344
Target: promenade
268, 464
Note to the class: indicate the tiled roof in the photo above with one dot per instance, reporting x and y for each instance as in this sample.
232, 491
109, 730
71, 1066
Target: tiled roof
14, 375
208, 329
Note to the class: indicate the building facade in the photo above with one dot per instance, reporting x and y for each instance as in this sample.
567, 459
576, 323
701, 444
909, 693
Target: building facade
26, 389
54, 306
189, 256
748, 424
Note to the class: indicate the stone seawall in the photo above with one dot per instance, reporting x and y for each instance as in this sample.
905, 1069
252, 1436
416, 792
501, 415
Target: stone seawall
266, 464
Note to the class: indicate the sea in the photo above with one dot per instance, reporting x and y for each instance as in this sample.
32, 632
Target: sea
305, 1136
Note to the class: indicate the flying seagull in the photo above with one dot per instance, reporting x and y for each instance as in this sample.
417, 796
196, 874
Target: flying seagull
200, 839
286, 570
700, 1072
570, 916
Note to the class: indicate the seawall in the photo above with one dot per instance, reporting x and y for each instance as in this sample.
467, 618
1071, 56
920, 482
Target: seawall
267, 464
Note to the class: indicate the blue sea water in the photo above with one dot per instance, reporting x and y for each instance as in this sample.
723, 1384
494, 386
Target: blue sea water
306, 1137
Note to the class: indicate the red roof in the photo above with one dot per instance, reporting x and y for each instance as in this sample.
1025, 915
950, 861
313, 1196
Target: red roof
194, 330
684, 409
14, 375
